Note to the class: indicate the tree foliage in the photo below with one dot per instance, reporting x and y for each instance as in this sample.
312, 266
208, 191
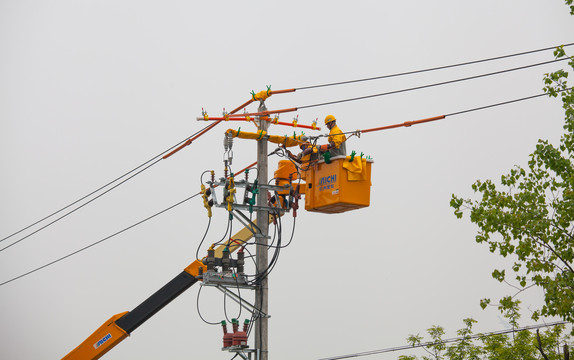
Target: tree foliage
551, 344
530, 215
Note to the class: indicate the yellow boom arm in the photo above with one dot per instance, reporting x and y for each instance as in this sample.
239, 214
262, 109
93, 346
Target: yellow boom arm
120, 326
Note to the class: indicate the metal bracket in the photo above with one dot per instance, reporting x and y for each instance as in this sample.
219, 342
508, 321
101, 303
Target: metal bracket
210, 278
244, 304
244, 353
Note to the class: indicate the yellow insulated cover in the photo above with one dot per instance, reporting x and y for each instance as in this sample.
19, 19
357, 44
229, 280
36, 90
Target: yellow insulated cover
288, 141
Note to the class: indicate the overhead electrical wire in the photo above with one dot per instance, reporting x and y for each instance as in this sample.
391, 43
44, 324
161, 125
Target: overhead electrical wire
446, 341
97, 190
431, 69
114, 234
77, 208
205, 129
246, 116
277, 246
428, 85
435, 118
188, 140
99, 241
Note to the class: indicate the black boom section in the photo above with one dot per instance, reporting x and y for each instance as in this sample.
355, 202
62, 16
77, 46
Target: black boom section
133, 319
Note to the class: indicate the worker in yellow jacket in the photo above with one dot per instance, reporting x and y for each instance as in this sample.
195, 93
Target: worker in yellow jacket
336, 141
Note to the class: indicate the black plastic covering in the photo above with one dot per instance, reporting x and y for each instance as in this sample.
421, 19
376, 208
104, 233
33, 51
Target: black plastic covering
133, 319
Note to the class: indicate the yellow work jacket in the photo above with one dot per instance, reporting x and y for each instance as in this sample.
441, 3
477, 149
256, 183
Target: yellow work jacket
337, 137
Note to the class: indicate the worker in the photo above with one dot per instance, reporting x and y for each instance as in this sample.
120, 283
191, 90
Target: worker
308, 152
336, 141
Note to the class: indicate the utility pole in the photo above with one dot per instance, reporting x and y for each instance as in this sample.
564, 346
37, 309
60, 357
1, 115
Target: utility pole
261, 292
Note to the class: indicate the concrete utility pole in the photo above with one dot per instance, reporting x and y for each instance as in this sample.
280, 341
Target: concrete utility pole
261, 293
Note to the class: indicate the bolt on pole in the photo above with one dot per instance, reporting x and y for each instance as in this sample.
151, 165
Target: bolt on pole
261, 292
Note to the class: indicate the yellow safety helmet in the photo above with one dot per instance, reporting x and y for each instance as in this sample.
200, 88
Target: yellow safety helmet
329, 119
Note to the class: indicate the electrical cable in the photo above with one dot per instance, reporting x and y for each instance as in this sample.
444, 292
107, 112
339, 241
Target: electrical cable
428, 85
62, 258
224, 237
225, 300
78, 208
99, 241
431, 69
102, 187
410, 347
314, 139
292, 233
199, 311
202, 239
500, 104
263, 274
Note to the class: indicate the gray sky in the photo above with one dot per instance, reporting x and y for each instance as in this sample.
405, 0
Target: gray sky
91, 89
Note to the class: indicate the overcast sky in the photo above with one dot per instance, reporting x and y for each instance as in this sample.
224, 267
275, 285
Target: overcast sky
91, 89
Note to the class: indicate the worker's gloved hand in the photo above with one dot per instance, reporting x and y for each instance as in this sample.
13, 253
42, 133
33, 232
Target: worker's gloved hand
324, 148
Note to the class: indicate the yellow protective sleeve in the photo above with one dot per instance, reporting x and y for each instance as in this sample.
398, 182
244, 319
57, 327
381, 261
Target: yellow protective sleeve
288, 141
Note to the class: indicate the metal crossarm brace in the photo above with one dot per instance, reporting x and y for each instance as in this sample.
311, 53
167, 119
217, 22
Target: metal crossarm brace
246, 305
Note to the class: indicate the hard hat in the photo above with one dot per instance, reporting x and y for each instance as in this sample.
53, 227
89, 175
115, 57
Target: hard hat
329, 119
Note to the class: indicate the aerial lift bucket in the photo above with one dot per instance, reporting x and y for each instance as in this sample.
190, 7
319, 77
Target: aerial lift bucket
342, 185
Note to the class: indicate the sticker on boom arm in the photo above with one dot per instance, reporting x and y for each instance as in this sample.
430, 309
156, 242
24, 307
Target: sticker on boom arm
102, 341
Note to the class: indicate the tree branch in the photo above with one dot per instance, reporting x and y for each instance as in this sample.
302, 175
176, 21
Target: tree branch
540, 344
554, 252
562, 230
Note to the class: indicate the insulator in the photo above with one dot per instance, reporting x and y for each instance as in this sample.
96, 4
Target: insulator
240, 261
230, 140
225, 260
240, 337
210, 262
227, 337
225, 143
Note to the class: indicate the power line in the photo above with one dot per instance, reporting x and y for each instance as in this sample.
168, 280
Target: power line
429, 85
94, 192
142, 221
440, 117
430, 69
117, 233
98, 242
410, 347
79, 207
